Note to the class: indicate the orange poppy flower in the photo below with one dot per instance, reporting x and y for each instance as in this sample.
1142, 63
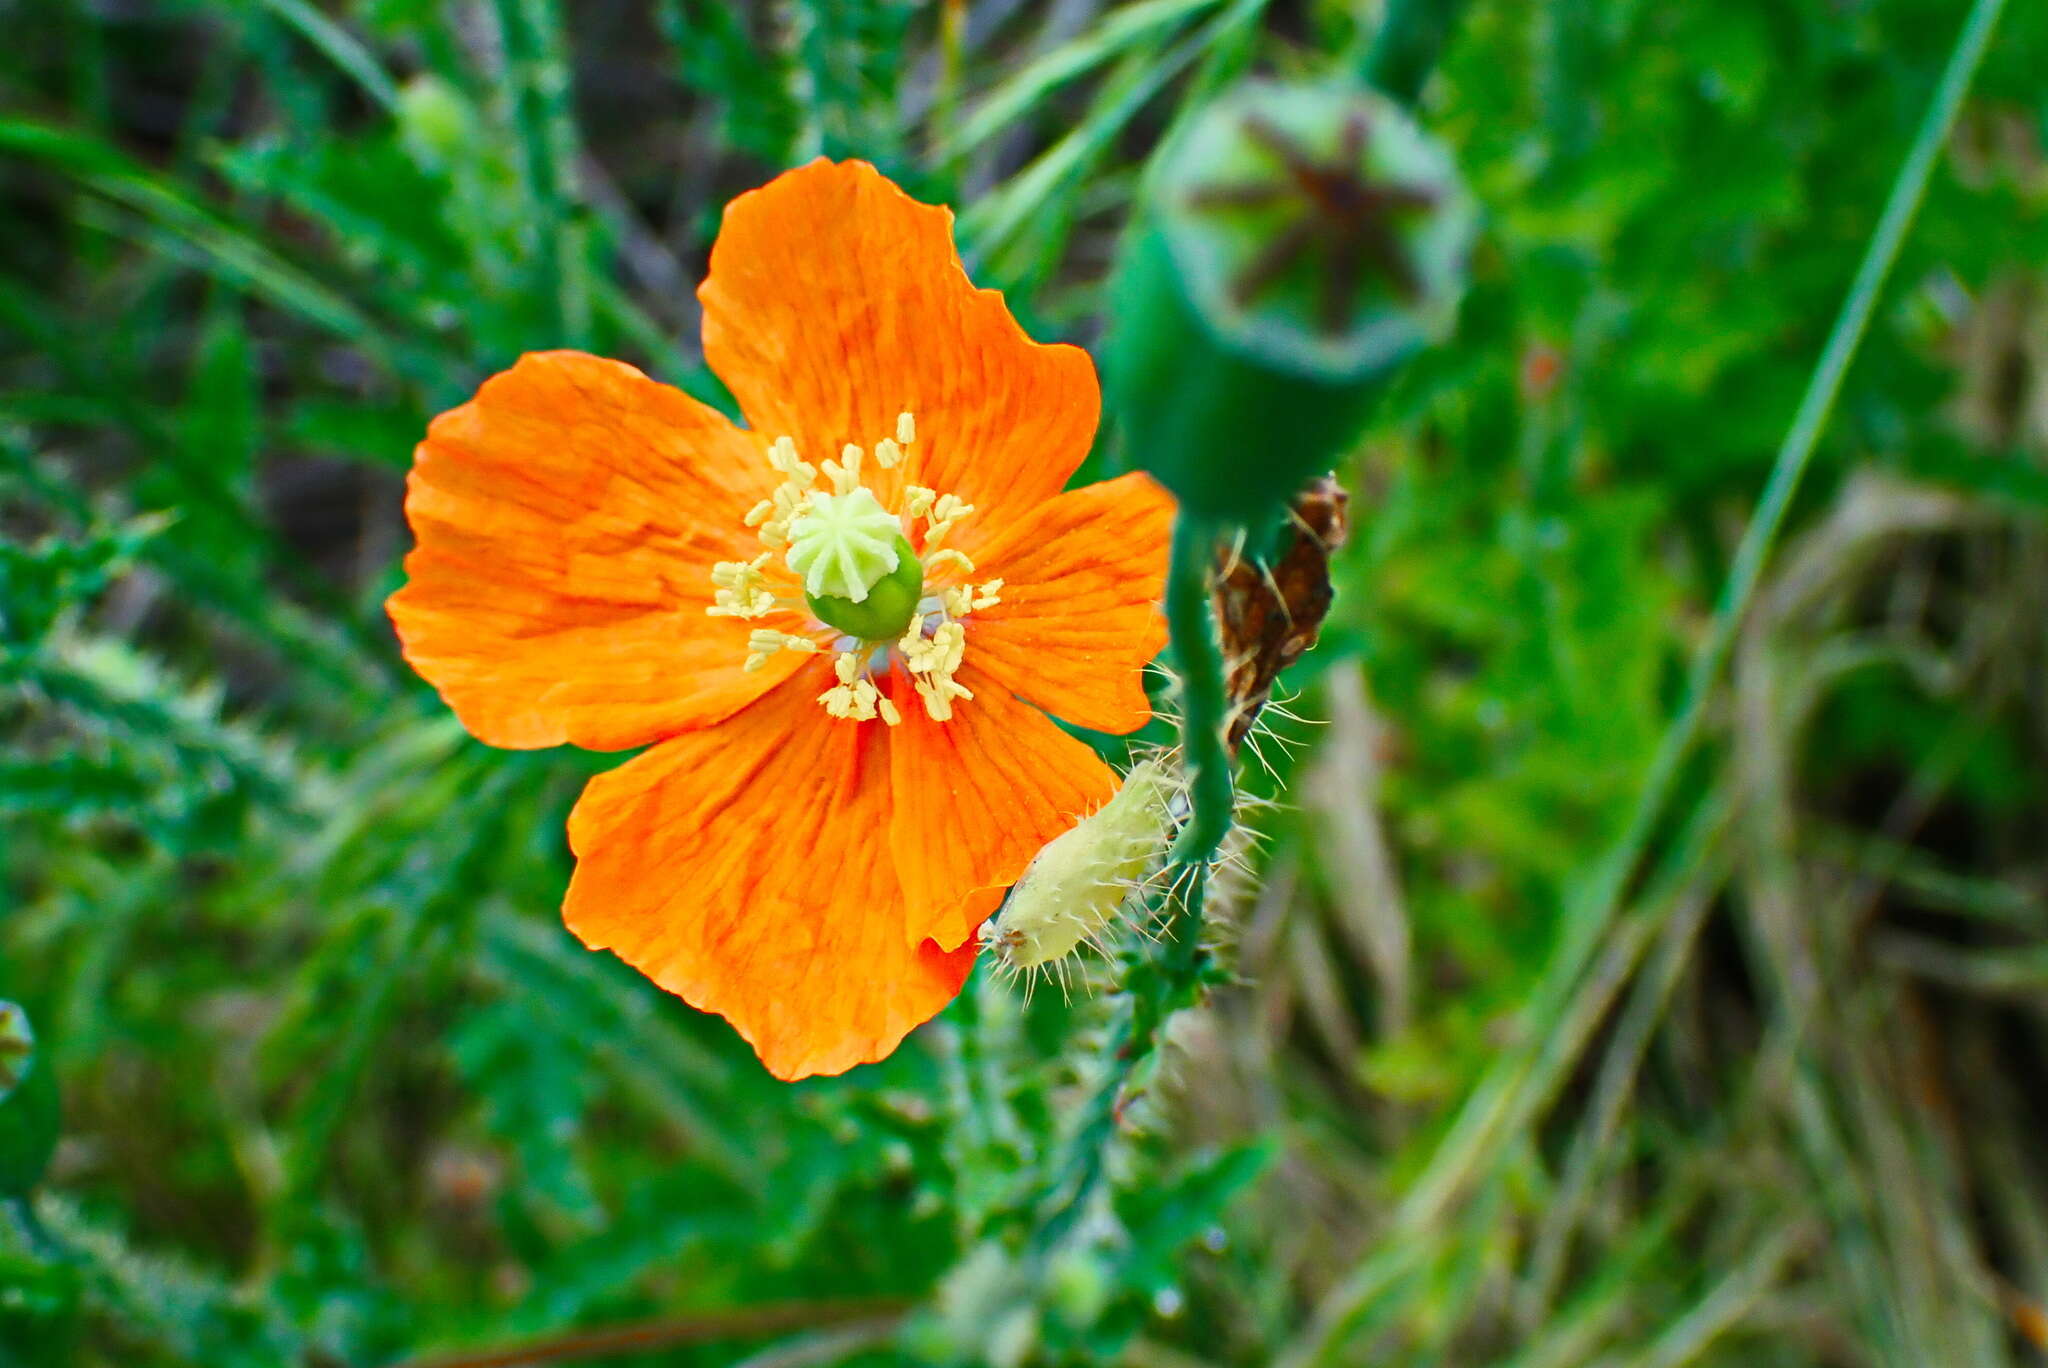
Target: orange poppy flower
836, 627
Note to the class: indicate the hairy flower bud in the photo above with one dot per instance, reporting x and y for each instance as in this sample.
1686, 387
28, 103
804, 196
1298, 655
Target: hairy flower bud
1070, 894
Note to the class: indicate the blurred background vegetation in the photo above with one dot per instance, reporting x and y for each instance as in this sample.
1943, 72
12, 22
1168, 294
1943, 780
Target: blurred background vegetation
338, 1088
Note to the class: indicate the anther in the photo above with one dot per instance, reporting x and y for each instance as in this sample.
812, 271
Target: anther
742, 589
845, 472
853, 697
948, 556
764, 642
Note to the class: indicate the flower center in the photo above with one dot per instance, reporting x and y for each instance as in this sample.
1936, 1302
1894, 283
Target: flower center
862, 577
859, 571
844, 544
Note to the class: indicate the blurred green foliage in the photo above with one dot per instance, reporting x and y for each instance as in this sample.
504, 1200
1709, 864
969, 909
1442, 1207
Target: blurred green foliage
339, 1089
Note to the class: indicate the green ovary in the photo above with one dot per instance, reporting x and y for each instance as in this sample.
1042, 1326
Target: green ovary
885, 610
860, 574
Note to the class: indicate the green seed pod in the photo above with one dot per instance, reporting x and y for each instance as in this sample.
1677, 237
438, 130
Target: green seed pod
1300, 241
887, 607
28, 1105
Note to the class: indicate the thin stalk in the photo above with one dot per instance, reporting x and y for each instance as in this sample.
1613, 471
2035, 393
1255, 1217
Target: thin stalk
1153, 990
945, 120
340, 47
1199, 659
537, 70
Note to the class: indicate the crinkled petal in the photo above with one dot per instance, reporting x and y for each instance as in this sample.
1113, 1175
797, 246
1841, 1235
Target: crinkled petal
747, 868
977, 797
836, 302
567, 520
1082, 575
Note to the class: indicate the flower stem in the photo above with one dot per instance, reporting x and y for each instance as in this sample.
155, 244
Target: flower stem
1152, 990
1199, 659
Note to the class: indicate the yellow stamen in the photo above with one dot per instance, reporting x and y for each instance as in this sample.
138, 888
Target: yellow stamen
790, 501
948, 556
764, 642
940, 653
782, 458
963, 599
933, 659
841, 541
844, 473
938, 695
853, 697
944, 510
742, 589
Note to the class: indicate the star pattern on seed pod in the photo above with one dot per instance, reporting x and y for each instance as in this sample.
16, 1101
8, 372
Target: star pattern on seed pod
1335, 209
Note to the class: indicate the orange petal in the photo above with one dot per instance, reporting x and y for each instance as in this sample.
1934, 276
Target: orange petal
747, 868
836, 302
977, 797
1082, 578
568, 518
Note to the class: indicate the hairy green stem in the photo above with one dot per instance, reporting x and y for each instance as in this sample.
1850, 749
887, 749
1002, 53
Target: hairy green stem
1153, 990
1199, 659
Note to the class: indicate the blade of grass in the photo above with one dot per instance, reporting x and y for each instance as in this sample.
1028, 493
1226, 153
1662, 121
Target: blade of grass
1723, 1309
1120, 30
537, 70
340, 47
234, 254
988, 226
1615, 1085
